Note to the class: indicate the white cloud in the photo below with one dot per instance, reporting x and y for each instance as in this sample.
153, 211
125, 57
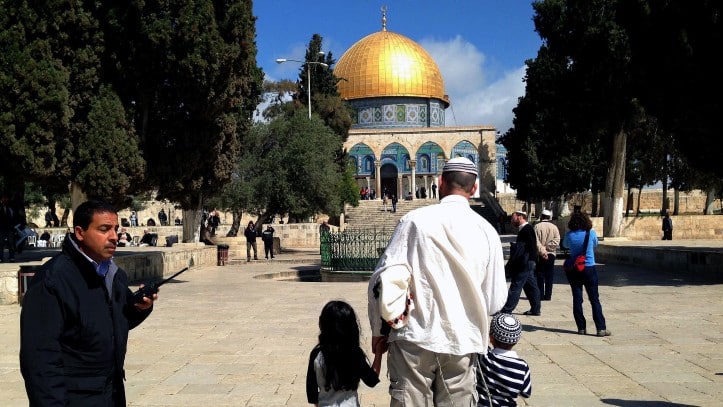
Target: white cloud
474, 100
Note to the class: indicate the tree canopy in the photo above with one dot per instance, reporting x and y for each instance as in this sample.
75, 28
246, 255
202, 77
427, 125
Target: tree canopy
590, 89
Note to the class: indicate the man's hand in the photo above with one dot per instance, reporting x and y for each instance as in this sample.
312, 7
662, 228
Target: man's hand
147, 302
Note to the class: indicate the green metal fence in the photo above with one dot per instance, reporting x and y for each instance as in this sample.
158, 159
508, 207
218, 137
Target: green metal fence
353, 250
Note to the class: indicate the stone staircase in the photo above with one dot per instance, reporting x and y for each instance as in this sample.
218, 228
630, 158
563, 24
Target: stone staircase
371, 215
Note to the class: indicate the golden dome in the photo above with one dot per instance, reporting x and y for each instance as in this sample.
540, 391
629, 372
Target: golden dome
388, 64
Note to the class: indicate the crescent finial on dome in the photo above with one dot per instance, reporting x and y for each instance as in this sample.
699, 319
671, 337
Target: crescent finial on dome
384, 18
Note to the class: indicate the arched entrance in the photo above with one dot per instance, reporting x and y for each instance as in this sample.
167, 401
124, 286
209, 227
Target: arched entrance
388, 173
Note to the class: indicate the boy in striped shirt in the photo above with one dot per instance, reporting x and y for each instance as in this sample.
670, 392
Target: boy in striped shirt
502, 376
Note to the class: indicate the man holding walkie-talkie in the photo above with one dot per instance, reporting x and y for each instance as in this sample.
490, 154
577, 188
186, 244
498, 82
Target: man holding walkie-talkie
76, 315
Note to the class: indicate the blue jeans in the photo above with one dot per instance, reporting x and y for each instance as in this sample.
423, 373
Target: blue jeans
523, 280
545, 274
588, 279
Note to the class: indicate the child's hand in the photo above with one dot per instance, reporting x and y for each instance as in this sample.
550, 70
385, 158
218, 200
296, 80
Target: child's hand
379, 345
377, 363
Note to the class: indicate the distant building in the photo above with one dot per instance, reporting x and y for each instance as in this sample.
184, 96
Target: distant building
398, 141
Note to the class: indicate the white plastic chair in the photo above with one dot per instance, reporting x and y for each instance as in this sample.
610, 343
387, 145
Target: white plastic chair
32, 239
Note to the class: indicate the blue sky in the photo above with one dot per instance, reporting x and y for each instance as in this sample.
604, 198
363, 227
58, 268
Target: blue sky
479, 45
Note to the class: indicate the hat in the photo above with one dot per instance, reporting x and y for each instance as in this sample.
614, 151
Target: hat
547, 212
506, 328
460, 164
523, 213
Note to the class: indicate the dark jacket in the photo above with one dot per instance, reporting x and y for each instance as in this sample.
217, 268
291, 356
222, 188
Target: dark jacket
250, 234
267, 236
73, 335
527, 236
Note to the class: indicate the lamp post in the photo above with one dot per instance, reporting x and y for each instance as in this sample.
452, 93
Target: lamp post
308, 74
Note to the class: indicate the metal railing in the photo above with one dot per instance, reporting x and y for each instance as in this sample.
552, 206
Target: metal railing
353, 250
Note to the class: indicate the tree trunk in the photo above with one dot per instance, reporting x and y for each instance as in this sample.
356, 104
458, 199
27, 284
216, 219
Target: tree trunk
664, 205
709, 201
640, 198
615, 187
676, 201
629, 206
595, 199
564, 207
77, 196
235, 224
192, 225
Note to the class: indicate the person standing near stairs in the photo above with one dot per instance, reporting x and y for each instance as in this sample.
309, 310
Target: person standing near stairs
250, 233
394, 203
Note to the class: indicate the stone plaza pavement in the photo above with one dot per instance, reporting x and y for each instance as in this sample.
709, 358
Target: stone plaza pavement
240, 336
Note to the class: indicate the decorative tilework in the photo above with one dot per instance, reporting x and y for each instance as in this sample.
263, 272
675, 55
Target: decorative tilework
388, 113
412, 114
365, 116
398, 112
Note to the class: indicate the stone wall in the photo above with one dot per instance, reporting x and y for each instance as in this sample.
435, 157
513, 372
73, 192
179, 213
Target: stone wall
145, 264
696, 227
650, 202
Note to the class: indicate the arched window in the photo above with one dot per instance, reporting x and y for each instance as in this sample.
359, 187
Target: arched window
368, 164
424, 163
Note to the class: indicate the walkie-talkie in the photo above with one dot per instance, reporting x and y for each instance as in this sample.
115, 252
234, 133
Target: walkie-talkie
151, 288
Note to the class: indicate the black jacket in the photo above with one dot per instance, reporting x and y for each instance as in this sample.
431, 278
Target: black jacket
250, 234
528, 236
73, 335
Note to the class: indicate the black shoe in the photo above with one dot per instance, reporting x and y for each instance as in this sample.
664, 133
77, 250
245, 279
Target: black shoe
534, 314
581, 332
604, 332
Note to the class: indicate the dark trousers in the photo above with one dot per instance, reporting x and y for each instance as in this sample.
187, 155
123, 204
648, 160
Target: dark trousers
269, 249
524, 280
668, 234
589, 280
545, 274
250, 245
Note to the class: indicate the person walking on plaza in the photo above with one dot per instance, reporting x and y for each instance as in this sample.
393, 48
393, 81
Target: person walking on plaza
667, 227
267, 236
337, 363
548, 240
250, 233
580, 225
502, 375
395, 200
76, 315
521, 266
432, 294
434, 190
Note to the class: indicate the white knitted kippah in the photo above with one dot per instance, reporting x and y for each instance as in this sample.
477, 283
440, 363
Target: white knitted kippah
460, 164
506, 328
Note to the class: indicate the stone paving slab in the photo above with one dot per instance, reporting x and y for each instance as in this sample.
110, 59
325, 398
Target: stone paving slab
231, 336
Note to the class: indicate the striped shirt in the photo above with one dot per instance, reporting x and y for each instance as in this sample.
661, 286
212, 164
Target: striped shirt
506, 376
